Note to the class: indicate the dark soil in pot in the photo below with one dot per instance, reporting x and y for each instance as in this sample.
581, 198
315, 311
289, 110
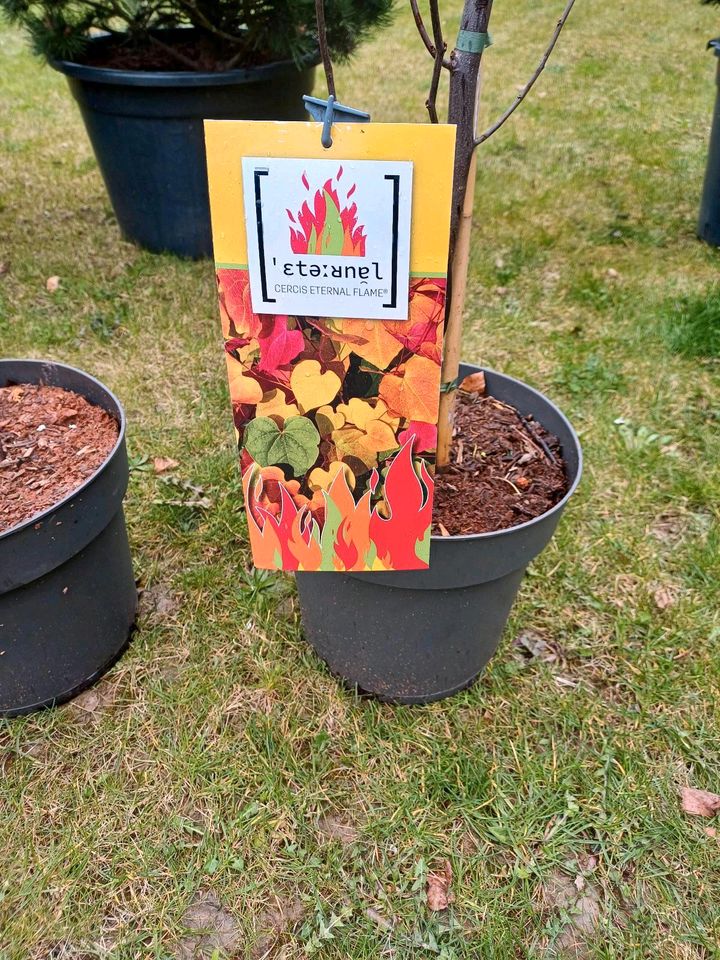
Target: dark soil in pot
505, 469
51, 441
187, 51
67, 589
417, 636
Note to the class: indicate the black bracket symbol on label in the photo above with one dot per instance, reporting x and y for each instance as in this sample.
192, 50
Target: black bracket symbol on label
257, 173
395, 178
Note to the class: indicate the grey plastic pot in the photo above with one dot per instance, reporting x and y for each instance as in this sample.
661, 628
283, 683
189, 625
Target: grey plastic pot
709, 218
417, 636
67, 591
146, 129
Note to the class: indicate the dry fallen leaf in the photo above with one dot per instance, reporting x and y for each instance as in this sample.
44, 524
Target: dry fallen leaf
531, 646
699, 803
161, 464
379, 919
52, 284
587, 862
612, 273
665, 596
4, 267
474, 383
438, 887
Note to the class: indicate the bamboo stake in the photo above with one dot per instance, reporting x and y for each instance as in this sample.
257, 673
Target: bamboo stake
454, 321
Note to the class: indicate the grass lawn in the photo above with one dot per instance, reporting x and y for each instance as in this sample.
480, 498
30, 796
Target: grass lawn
219, 756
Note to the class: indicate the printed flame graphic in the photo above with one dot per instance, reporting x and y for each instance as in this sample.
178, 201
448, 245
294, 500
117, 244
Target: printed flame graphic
328, 228
354, 536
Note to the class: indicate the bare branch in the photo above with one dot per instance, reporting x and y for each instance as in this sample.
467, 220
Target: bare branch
440, 48
176, 54
531, 82
421, 28
425, 36
195, 14
323, 44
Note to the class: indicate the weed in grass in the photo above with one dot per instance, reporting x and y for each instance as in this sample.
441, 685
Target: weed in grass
591, 291
637, 437
519, 257
591, 377
691, 325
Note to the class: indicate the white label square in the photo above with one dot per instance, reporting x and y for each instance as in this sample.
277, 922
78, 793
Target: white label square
328, 238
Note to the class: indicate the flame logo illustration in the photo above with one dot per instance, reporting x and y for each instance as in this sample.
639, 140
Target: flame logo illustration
352, 536
330, 227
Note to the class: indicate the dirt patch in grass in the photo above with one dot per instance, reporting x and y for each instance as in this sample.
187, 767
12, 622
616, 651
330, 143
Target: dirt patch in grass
158, 603
274, 923
212, 929
91, 704
331, 827
578, 902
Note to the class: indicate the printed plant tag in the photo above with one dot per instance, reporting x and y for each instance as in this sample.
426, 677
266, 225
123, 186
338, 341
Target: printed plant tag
334, 390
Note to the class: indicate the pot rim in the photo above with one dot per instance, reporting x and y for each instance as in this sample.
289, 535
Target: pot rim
559, 505
177, 78
36, 518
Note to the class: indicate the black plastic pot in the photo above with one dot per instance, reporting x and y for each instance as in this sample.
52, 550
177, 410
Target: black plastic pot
146, 129
423, 635
709, 219
67, 591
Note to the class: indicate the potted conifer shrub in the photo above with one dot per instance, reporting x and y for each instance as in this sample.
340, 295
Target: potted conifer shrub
145, 73
507, 463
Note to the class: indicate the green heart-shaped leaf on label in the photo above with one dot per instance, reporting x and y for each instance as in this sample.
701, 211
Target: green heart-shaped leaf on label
296, 443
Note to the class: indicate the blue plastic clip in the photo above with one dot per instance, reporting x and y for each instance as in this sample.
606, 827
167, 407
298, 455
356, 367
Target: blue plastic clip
328, 111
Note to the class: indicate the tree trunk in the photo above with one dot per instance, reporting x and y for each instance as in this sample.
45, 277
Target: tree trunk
462, 111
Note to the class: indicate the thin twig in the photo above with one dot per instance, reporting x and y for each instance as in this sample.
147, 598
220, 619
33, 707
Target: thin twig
229, 64
425, 36
537, 440
323, 44
534, 438
194, 13
531, 82
177, 54
440, 47
505, 480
